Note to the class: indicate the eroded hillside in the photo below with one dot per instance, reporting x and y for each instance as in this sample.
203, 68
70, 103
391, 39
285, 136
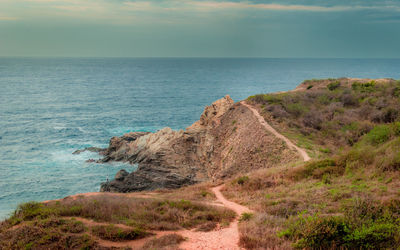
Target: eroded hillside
227, 140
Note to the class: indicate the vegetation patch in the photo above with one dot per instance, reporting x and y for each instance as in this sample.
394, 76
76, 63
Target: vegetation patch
335, 116
49, 233
169, 241
333, 85
363, 225
114, 233
141, 213
245, 216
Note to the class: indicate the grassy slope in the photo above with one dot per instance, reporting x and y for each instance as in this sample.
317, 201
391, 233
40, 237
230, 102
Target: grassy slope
52, 225
350, 195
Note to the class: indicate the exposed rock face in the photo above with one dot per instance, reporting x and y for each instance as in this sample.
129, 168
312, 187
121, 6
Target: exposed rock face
226, 140
120, 176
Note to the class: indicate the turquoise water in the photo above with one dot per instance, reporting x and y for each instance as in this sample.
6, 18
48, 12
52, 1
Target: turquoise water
51, 107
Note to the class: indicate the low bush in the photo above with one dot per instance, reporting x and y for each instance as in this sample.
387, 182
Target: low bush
260, 232
316, 169
364, 225
317, 232
114, 233
367, 87
206, 227
242, 180
296, 109
50, 233
334, 85
379, 134
169, 241
245, 216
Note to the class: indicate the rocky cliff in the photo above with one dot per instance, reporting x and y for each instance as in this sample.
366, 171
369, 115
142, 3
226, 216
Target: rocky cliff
227, 140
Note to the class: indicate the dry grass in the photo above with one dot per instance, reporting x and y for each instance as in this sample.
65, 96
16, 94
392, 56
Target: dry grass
152, 214
50, 233
35, 225
114, 233
169, 241
260, 232
207, 227
197, 192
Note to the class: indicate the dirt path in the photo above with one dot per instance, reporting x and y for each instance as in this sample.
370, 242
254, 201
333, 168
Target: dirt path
290, 144
221, 238
224, 238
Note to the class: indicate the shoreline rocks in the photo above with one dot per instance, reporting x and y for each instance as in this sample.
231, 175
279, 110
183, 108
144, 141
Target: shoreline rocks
90, 149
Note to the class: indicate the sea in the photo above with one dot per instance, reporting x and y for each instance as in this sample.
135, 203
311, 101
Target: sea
50, 107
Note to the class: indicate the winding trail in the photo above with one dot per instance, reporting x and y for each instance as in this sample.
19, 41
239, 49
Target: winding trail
290, 144
223, 238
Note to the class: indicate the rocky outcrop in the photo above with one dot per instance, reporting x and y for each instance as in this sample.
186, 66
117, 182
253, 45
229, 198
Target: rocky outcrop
226, 140
90, 149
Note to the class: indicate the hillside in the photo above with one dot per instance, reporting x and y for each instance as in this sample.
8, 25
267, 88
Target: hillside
227, 140
349, 195
346, 196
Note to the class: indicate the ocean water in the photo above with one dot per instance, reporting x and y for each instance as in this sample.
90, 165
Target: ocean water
50, 107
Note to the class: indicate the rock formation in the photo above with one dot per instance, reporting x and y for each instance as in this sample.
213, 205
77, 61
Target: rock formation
227, 140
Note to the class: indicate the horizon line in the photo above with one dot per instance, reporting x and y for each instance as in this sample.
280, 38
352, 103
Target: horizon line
187, 57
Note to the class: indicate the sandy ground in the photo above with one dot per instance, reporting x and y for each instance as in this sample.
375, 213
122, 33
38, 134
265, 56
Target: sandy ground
290, 144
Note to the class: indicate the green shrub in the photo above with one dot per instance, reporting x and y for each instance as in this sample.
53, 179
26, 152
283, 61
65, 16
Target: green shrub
396, 128
241, 180
246, 216
296, 109
364, 87
325, 150
113, 233
310, 86
366, 229
396, 92
316, 232
204, 193
333, 85
32, 210
266, 98
317, 169
379, 134
376, 235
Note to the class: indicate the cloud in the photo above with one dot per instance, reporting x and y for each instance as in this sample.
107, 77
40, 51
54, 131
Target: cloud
7, 18
127, 11
212, 5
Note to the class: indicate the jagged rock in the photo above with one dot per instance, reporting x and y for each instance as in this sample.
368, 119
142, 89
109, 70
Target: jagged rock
90, 149
227, 140
120, 176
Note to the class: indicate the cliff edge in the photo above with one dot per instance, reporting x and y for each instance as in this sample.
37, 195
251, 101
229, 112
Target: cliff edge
226, 140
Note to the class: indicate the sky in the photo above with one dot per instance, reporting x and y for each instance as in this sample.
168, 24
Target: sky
197, 28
